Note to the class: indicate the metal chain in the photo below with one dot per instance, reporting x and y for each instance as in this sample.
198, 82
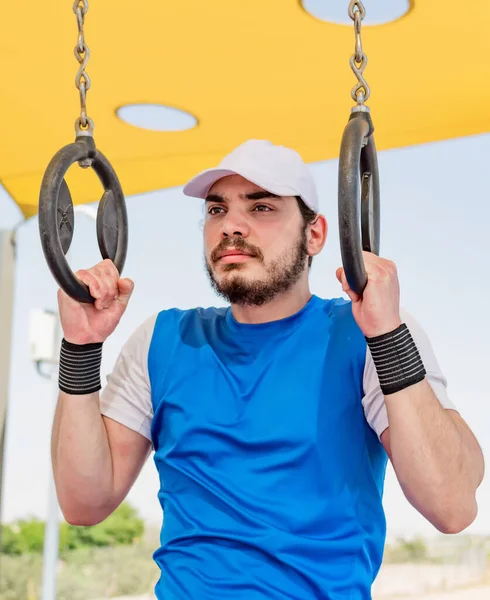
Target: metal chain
84, 124
358, 62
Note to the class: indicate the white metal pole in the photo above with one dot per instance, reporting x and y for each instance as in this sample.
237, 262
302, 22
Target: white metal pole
51, 532
7, 270
51, 536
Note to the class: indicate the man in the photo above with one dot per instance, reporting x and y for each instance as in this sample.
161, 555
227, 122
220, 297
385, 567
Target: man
272, 420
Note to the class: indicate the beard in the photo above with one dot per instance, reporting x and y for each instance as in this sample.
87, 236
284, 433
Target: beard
281, 273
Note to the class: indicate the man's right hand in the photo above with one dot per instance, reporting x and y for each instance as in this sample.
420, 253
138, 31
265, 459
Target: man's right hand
93, 323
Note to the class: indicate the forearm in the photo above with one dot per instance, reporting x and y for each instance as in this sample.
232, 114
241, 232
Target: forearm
438, 463
81, 456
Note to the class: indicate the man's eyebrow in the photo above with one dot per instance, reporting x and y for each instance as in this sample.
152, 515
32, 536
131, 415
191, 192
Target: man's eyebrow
261, 195
214, 198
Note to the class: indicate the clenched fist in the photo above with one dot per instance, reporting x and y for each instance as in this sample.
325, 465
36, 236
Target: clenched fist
93, 323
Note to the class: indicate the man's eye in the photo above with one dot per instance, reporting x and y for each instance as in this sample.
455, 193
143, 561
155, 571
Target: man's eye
213, 210
262, 208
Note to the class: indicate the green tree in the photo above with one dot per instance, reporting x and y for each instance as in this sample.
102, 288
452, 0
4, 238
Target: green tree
30, 535
404, 551
122, 527
10, 541
416, 550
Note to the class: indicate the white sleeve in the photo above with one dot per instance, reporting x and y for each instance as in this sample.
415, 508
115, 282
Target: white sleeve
373, 401
127, 396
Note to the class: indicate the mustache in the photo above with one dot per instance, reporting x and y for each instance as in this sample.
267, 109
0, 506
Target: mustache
238, 244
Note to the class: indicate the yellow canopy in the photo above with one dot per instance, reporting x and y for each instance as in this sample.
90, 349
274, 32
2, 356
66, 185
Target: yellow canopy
260, 68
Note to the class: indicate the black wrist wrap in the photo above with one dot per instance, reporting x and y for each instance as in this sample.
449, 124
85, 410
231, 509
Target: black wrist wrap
397, 360
79, 369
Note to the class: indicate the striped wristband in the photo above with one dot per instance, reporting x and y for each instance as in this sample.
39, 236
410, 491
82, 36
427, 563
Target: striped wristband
397, 360
79, 369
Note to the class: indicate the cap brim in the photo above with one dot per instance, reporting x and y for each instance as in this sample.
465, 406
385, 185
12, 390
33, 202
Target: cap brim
199, 186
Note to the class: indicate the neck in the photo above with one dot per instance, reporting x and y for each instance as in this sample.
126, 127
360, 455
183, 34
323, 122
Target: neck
283, 306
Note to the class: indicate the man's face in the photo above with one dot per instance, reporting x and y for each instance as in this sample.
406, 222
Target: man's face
254, 242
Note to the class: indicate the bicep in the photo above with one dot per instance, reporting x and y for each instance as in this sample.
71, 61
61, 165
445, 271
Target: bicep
129, 452
127, 411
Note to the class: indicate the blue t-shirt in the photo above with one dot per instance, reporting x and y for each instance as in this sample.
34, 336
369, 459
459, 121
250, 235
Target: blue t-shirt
271, 478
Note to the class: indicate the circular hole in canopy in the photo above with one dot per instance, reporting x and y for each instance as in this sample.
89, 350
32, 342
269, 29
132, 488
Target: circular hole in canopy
156, 117
378, 12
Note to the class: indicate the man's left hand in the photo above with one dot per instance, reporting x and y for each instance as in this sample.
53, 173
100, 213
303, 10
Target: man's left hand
377, 311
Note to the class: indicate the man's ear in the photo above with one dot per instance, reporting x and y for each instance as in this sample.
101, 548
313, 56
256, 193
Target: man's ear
317, 235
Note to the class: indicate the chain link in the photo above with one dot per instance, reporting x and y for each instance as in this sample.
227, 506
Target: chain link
84, 124
358, 62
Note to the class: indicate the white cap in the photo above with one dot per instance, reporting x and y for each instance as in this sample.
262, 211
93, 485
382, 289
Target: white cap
276, 169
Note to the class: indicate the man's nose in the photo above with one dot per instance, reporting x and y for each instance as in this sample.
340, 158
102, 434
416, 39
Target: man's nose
234, 224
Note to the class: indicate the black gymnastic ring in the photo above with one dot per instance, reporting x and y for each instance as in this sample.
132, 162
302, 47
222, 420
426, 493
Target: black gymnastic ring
56, 215
358, 198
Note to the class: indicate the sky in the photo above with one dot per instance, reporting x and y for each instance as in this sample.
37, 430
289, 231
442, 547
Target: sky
435, 225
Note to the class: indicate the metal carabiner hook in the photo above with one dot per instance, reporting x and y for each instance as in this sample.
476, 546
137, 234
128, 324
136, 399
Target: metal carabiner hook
356, 4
